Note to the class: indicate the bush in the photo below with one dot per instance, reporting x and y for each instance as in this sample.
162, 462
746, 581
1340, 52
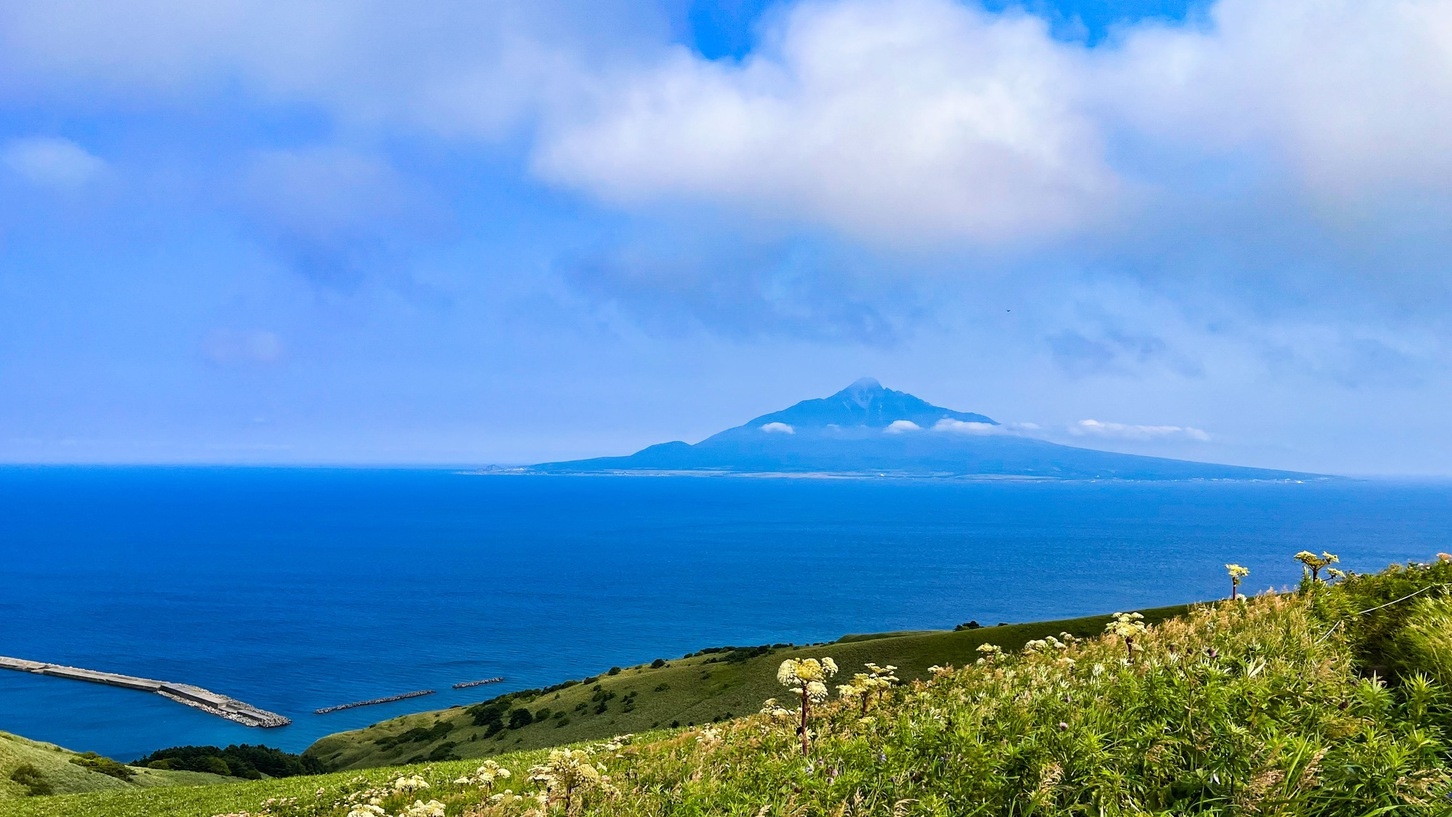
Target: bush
520, 718
32, 779
657, 663
104, 765
613, 671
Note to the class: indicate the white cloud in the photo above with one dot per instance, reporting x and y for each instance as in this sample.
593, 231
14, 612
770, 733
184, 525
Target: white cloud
454, 67
950, 426
911, 120
1352, 97
778, 428
887, 118
49, 161
901, 427
1122, 431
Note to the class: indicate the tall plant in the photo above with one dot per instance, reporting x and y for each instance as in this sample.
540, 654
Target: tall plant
807, 677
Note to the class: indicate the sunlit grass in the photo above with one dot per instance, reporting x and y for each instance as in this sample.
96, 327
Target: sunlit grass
1267, 705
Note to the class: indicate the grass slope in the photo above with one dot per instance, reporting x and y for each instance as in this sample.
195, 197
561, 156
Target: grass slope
1264, 706
686, 692
53, 766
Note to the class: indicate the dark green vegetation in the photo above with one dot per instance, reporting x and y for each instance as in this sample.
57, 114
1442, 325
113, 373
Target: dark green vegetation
1319, 703
244, 761
708, 686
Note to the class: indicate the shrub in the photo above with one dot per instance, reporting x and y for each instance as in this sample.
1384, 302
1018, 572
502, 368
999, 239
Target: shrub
27, 775
657, 663
104, 765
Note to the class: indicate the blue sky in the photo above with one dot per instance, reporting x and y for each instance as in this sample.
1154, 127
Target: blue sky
520, 231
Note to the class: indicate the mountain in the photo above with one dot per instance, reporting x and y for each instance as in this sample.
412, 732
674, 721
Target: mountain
868, 429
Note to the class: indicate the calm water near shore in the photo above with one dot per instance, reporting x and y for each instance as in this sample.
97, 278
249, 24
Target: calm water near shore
294, 589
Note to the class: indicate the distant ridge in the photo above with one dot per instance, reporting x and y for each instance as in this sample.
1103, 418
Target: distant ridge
868, 429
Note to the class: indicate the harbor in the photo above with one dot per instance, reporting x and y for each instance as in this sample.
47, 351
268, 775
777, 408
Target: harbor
186, 694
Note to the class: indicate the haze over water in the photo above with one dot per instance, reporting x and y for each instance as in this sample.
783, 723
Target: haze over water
297, 589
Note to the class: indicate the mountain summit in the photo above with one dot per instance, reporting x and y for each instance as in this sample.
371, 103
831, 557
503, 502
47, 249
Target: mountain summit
865, 404
868, 429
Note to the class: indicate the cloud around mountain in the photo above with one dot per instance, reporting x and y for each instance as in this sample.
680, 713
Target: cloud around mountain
868, 429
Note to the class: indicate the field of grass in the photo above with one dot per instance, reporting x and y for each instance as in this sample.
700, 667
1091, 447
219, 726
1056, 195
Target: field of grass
684, 692
27, 766
1319, 703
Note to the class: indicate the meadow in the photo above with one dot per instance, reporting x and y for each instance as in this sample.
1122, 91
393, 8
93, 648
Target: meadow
708, 686
1332, 700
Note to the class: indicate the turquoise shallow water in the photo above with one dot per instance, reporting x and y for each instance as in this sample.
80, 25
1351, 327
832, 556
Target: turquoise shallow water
294, 589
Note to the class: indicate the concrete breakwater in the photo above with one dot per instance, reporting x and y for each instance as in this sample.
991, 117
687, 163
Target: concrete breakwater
372, 701
467, 684
193, 696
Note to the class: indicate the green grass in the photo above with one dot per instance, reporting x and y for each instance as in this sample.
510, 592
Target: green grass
690, 691
52, 767
1275, 705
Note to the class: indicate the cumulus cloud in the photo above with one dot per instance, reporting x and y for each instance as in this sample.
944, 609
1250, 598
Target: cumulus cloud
51, 161
891, 119
901, 427
905, 119
1354, 98
778, 428
1122, 431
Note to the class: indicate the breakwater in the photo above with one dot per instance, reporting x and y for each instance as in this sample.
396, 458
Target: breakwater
186, 694
372, 701
467, 684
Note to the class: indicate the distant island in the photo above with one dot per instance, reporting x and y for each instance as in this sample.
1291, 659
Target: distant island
866, 429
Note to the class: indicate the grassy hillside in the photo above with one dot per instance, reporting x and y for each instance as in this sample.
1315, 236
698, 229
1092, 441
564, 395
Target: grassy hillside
684, 692
1326, 702
28, 766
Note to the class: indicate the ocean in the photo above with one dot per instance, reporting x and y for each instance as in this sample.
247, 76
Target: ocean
294, 589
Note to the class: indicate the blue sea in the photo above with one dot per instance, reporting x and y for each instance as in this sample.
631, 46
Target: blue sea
294, 589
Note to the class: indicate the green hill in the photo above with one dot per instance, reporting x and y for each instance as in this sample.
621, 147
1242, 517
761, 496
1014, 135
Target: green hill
29, 767
1334, 700
703, 688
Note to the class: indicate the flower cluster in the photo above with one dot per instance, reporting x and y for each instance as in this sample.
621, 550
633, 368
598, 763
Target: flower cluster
709, 738
865, 686
1237, 572
1127, 626
432, 808
771, 708
1314, 563
409, 784
1048, 644
807, 677
568, 778
485, 776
